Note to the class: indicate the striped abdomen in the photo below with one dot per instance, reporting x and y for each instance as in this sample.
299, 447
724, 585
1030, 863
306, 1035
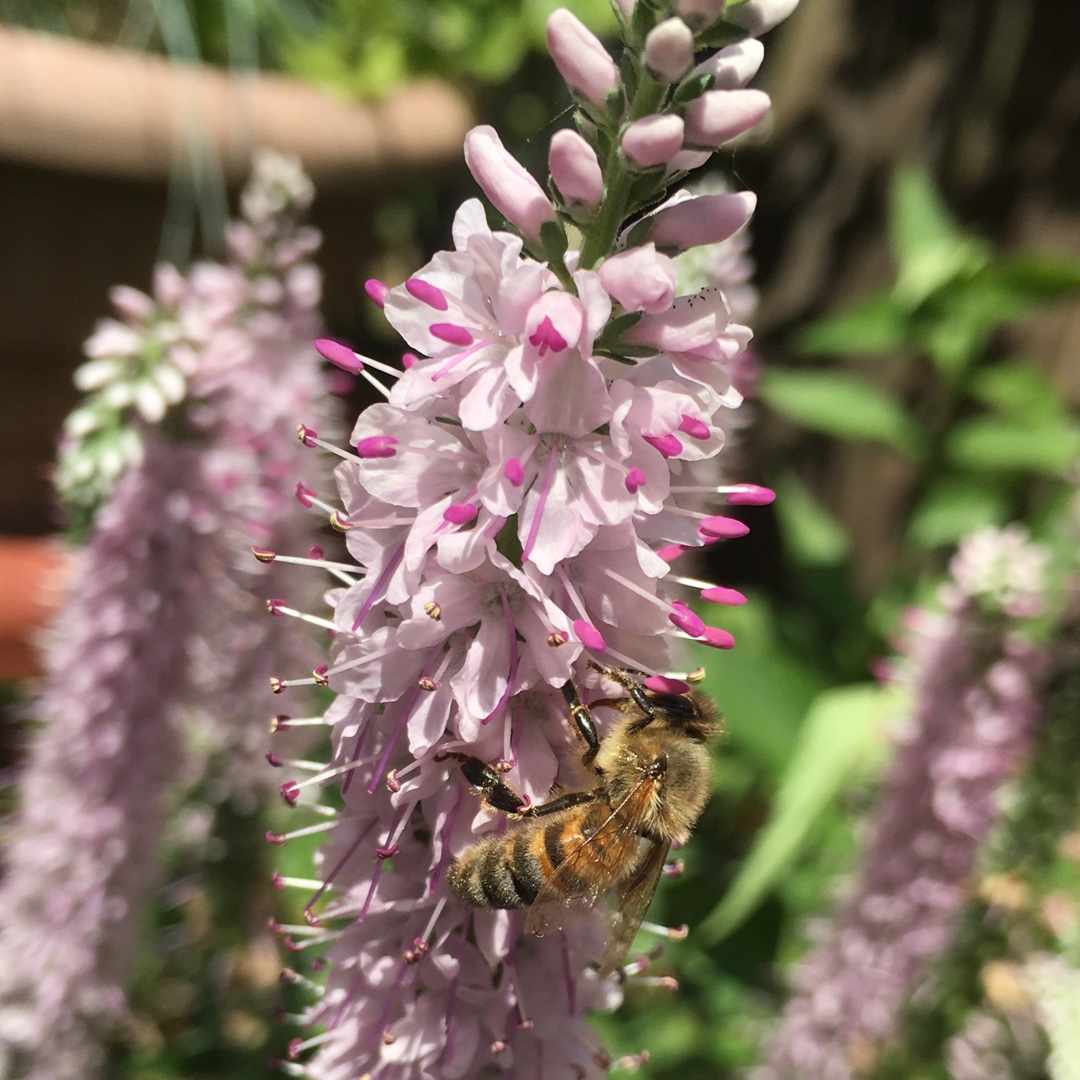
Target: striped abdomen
508, 871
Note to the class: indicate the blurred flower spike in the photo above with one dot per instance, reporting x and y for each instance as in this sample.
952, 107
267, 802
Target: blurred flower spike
170, 469
516, 506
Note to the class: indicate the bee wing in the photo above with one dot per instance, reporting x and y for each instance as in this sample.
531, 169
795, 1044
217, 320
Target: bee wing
632, 900
591, 868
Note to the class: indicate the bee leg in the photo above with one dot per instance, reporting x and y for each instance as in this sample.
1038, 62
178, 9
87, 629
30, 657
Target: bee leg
488, 782
582, 721
503, 797
634, 688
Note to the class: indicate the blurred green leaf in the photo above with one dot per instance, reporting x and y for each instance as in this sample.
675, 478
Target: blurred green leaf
811, 534
762, 689
1039, 278
838, 733
842, 405
953, 507
989, 443
930, 248
1019, 391
877, 324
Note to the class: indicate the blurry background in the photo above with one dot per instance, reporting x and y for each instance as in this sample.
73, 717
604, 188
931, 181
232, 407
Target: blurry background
919, 214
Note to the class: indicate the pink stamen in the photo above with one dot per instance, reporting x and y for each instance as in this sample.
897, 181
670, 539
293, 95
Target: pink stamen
427, 293
662, 684
693, 427
718, 594
546, 337
377, 589
514, 471
682, 617
751, 495
589, 636
377, 446
304, 494
541, 502
451, 333
668, 445
339, 354
461, 513
511, 677
306, 435
635, 480
376, 291
672, 551
723, 528
408, 359
717, 638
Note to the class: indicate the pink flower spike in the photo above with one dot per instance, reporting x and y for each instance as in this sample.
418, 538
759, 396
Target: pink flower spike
661, 684
718, 594
512, 189
669, 50
408, 359
682, 617
635, 480
460, 513
723, 528
339, 354
668, 445
589, 636
653, 140
575, 169
751, 495
706, 219
377, 446
580, 57
514, 472
717, 638
304, 494
427, 293
695, 428
376, 290
451, 333
718, 116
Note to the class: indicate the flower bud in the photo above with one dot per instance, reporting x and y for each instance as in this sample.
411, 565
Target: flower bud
734, 66
718, 116
704, 219
512, 189
575, 169
580, 57
669, 50
700, 13
653, 140
641, 279
757, 16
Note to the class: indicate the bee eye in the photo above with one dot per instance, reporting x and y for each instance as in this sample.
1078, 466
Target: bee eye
676, 706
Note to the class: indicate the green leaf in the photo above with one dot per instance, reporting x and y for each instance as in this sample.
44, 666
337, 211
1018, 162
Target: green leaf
842, 405
1039, 278
1020, 392
838, 734
988, 443
812, 535
930, 248
953, 507
877, 324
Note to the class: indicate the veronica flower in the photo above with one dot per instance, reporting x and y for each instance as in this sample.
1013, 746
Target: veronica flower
173, 464
975, 687
514, 508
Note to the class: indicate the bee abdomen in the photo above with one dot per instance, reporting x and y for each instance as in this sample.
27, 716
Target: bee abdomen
499, 872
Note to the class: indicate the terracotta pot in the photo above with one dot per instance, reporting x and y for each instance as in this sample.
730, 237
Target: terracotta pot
32, 573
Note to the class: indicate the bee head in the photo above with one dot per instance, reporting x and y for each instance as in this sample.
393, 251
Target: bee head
693, 715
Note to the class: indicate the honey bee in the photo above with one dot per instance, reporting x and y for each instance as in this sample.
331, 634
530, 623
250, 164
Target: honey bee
653, 777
